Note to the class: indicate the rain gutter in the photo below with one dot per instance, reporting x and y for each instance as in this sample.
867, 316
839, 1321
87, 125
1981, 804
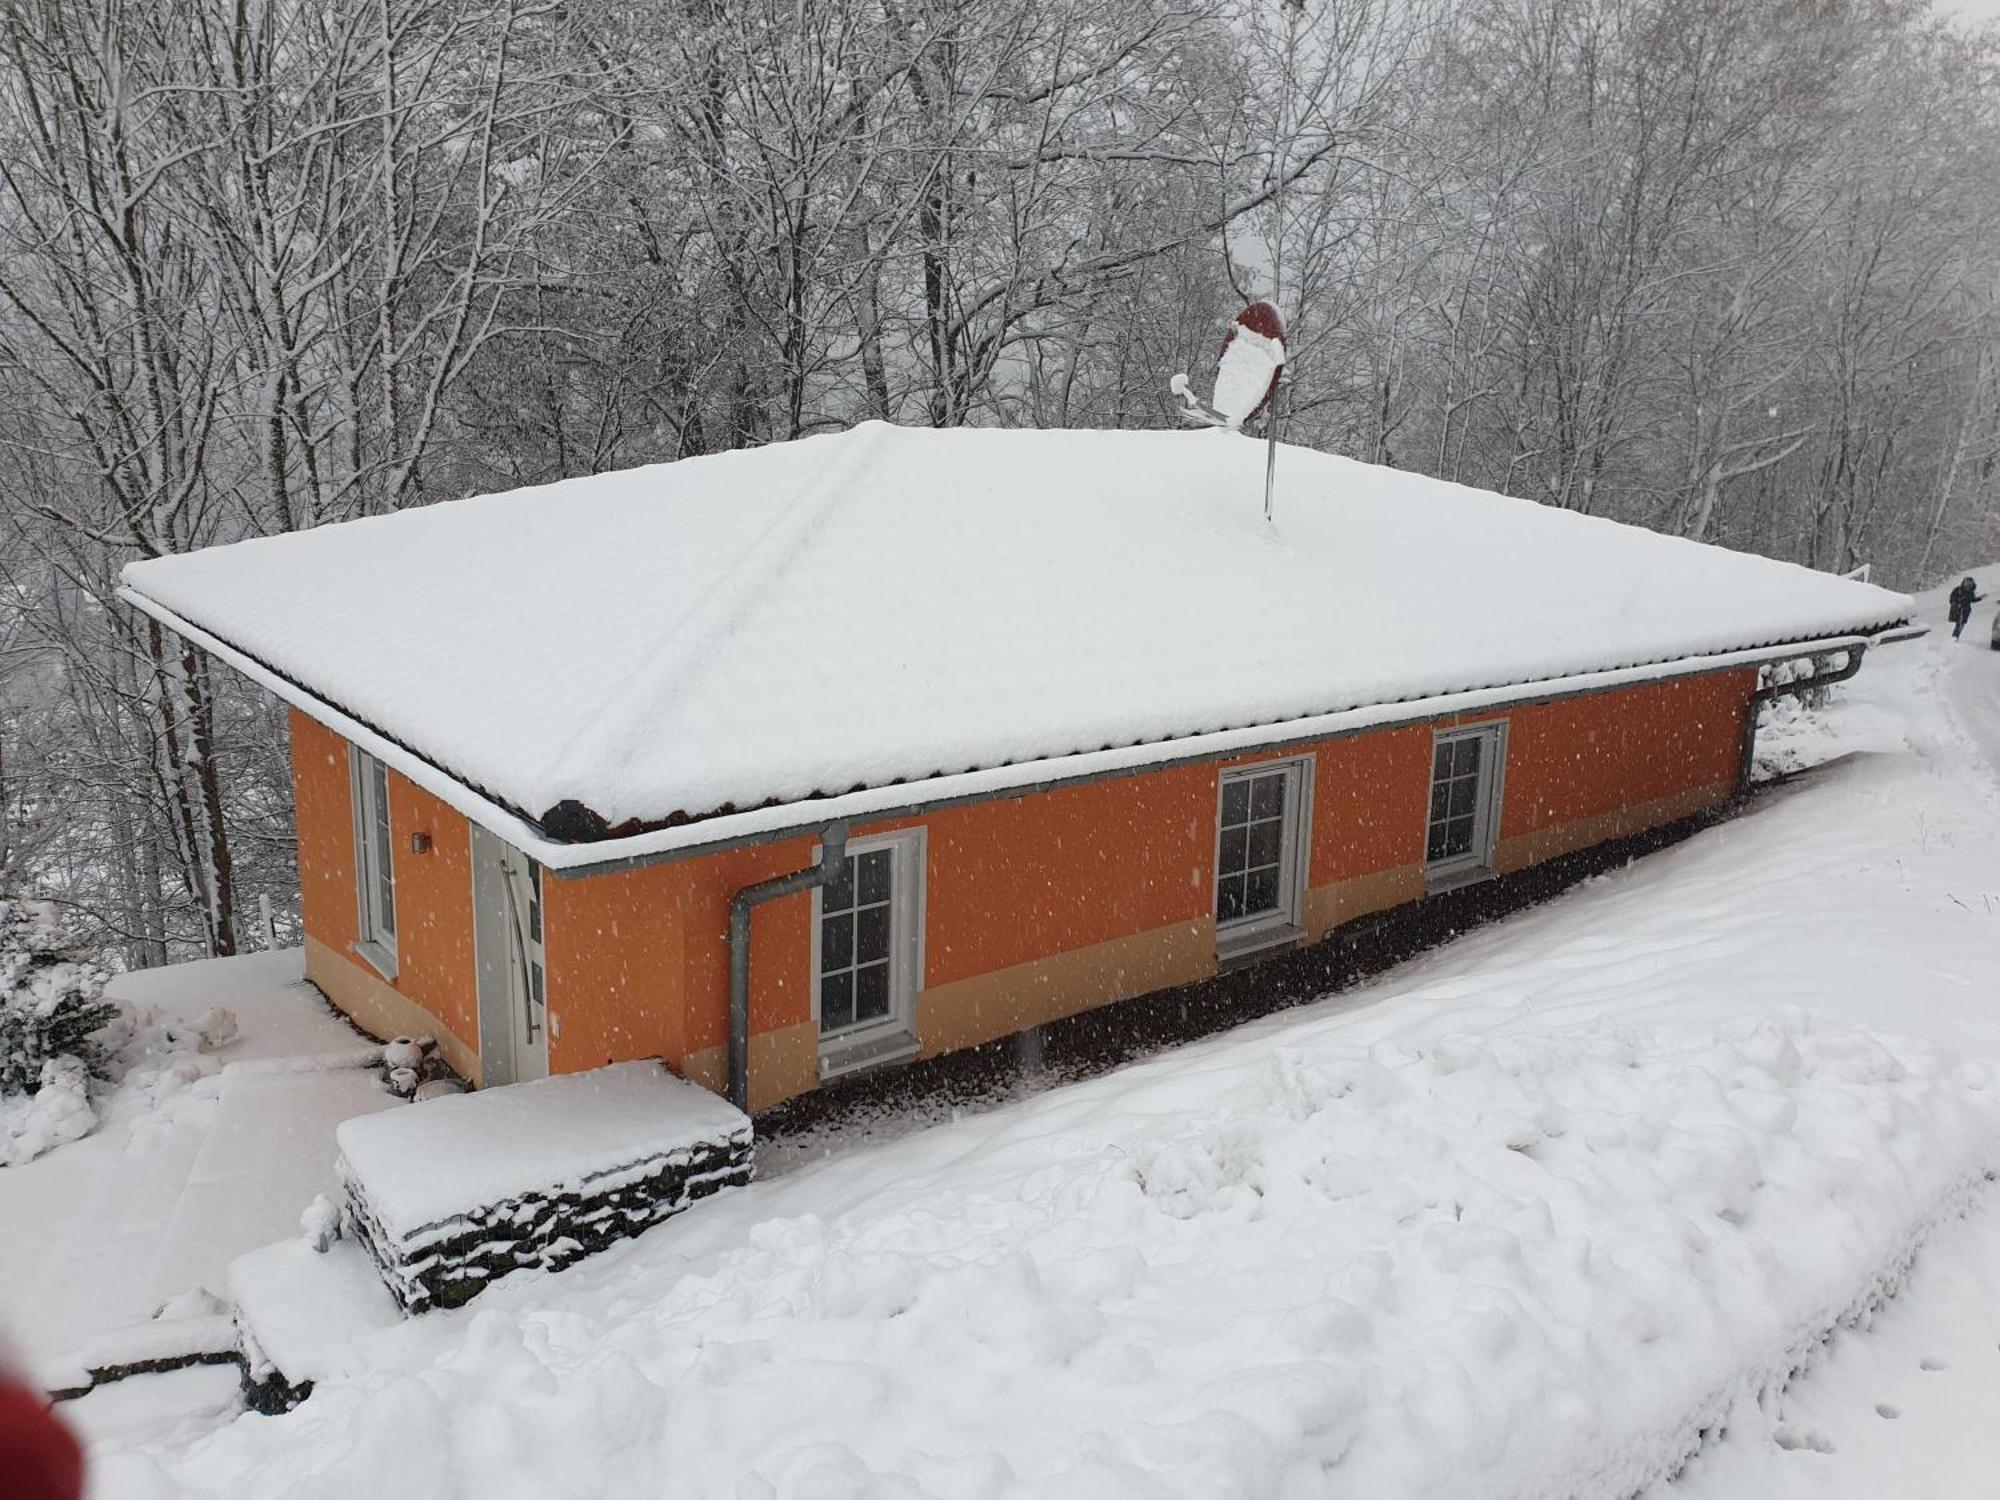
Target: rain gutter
1799, 687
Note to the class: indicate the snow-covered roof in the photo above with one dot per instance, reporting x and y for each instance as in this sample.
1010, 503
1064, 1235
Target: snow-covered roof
892, 605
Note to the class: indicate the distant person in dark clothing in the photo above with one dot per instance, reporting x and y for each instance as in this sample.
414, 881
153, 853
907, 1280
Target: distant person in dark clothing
1962, 599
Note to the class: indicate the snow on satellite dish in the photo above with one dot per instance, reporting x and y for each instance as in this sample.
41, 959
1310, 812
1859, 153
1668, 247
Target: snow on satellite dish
1253, 355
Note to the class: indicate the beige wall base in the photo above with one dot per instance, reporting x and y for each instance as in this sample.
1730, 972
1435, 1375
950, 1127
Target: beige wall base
1331, 906
379, 1008
967, 1012
987, 1006
785, 1063
782, 1063
1544, 844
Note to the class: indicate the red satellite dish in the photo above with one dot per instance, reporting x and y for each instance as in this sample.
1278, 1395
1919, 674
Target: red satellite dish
1253, 357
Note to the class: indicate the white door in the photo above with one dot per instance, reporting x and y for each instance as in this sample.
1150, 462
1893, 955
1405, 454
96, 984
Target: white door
513, 983
527, 977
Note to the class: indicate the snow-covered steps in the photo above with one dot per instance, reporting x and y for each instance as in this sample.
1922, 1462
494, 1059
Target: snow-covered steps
452, 1193
191, 1330
299, 1312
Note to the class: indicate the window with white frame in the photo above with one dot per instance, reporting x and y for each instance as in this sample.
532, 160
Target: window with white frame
867, 949
374, 864
1465, 797
1260, 846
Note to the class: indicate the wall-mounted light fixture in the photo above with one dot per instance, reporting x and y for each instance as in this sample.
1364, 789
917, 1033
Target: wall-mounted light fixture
420, 843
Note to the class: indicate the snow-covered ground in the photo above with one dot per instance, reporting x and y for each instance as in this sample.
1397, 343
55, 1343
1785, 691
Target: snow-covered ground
199, 1156
1901, 1408
1523, 1218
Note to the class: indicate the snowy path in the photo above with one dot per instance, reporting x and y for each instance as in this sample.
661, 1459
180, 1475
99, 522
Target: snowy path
1518, 1220
1973, 682
1903, 1407
189, 1168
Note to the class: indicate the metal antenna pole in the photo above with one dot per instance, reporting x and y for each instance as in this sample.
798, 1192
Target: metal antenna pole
1271, 447
1281, 150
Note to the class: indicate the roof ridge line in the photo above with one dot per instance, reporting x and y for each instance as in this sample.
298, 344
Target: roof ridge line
773, 552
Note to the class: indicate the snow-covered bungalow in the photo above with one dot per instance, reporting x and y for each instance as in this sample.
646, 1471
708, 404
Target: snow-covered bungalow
1068, 718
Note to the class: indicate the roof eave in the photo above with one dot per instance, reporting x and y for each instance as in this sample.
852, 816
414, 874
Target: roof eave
489, 813
911, 798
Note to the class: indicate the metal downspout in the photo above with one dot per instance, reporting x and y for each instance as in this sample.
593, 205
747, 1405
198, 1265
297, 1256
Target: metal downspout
832, 859
1796, 689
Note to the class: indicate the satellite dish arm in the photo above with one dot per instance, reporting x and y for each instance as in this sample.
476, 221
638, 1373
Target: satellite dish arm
1192, 408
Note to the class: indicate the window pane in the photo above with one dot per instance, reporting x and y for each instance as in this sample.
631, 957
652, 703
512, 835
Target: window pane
836, 941
1233, 844
1464, 792
871, 937
1441, 760
1458, 837
1235, 801
875, 868
838, 893
376, 873
1262, 891
871, 993
1434, 847
385, 892
1466, 762
1229, 898
1267, 796
1266, 839
836, 1000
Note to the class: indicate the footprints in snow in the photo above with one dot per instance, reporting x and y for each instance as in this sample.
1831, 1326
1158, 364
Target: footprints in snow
1794, 1440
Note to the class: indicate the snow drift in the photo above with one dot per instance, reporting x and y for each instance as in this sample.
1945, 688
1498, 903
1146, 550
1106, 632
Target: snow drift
1296, 1268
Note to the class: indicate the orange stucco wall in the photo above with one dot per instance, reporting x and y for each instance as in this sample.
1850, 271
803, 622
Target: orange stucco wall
1016, 880
638, 959
434, 951
1371, 795
1006, 882
323, 812
1582, 757
434, 964
624, 950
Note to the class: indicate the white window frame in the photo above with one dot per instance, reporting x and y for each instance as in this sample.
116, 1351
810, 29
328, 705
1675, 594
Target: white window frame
1477, 862
894, 1037
1285, 924
373, 868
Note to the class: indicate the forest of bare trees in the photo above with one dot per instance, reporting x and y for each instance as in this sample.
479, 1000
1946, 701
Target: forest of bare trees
1727, 268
